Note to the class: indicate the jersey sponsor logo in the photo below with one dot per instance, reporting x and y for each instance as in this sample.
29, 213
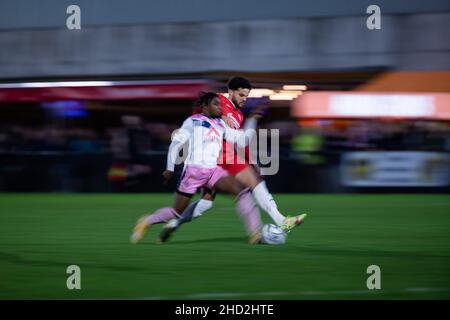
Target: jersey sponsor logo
213, 131
235, 123
213, 135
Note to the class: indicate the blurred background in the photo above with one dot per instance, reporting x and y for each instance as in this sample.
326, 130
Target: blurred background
92, 109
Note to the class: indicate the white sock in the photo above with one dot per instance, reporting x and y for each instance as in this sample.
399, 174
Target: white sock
266, 202
201, 207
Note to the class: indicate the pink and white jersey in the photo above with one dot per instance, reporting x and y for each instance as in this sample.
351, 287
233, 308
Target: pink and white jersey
205, 136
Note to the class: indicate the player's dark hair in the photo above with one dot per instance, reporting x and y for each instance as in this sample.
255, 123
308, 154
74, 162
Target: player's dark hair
205, 98
239, 82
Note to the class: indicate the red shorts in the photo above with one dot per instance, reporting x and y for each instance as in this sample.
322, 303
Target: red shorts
234, 168
231, 162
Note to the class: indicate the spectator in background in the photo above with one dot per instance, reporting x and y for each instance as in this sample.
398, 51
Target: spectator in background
130, 146
84, 141
161, 133
308, 146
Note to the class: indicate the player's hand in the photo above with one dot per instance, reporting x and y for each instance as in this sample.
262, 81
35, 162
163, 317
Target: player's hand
257, 113
167, 176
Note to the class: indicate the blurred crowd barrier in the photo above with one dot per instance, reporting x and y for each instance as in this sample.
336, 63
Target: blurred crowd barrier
322, 155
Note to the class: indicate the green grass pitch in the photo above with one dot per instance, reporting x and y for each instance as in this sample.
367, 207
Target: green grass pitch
407, 236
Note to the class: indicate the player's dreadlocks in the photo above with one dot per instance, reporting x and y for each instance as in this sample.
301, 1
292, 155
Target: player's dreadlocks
205, 99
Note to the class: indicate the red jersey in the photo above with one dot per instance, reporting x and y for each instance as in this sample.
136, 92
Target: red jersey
234, 118
230, 114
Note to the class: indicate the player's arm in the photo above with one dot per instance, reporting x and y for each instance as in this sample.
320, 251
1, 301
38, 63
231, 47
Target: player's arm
179, 138
242, 137
228, 121
257, 112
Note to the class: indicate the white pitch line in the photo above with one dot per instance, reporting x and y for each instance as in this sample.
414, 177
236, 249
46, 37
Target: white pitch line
427, 289
213, 295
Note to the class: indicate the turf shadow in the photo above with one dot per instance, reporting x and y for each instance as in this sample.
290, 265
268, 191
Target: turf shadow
16, 259
208, 240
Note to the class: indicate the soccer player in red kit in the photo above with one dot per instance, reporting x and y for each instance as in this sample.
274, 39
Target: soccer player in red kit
238, 90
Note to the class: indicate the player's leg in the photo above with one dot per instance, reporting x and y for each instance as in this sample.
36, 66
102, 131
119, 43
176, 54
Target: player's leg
191, 179
251, 178
197, 208
193, 211
246, 207
162, 215
205, 203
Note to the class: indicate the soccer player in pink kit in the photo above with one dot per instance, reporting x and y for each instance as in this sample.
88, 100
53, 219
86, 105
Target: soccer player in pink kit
205, 133
238, 91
